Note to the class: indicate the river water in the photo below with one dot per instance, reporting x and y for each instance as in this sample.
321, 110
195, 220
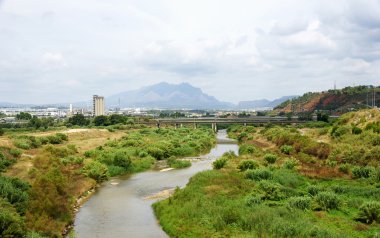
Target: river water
119, 208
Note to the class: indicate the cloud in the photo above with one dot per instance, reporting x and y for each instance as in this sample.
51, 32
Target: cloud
311, 37
54, 59
235, 51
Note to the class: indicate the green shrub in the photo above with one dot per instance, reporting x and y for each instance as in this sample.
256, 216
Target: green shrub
247, 164
219, 163
302, 203
156, 152
375, 174
356, 130
313, 190
177, 164
143, 154
286, 149
270, 158
246, 149
362, 172
338, 131
259, 174
328, 200
54, 139
290, 164
71, 160
272, 191
122, 160
90, 153
252, 200
344, 168
96, 170
15, 152
22, 144
11, 223
5, 163
229, 155
369, 212
374, 126
242, 136
114, 170
15, 192
62, 136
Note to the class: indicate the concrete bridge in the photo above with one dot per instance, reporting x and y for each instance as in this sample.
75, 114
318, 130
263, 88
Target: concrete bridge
256, 121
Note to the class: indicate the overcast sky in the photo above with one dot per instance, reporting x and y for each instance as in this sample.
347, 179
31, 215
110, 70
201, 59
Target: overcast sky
65, 51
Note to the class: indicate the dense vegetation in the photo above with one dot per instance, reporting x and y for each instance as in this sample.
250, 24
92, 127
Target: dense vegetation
340, 100
59, 173
138, 150
286, 182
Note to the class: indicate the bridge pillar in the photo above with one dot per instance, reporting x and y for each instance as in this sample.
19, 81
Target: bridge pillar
181, 125
245, 124
158, 125
176, 126
214, 127
195, 125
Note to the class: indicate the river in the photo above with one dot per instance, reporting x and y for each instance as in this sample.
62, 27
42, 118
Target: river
119, 208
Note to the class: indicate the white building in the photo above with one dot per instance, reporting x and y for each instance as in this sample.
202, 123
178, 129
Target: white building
98, 105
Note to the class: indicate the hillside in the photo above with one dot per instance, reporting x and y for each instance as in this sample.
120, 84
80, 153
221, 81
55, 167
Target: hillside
263, 103
342, 100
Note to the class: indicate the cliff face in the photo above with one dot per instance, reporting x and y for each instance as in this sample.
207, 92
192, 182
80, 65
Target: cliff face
342, 100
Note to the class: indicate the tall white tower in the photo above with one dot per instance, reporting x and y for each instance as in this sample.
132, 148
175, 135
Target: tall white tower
98, 105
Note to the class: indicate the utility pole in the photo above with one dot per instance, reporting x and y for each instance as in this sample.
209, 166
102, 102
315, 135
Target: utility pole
374, 97
367, 96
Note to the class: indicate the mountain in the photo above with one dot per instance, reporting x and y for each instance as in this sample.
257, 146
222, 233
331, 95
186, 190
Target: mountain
341, 100
263, 103
168, 96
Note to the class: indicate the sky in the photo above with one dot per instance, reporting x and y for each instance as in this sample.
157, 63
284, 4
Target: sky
54, 51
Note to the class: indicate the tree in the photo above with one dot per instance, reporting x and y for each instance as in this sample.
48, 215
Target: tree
322, 117
24, 116
116, 119
101, 121
35, 122
78, 120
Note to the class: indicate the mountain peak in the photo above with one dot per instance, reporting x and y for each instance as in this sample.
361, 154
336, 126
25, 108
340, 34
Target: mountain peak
166, 95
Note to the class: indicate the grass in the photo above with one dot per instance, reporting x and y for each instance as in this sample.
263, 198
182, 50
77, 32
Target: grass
62, 165
319, 185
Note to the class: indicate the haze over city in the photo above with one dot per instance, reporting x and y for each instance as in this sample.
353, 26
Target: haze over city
60, 51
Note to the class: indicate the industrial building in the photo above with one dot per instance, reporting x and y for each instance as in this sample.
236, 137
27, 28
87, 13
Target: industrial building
98, 105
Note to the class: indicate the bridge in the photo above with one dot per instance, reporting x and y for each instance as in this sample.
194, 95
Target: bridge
214, 121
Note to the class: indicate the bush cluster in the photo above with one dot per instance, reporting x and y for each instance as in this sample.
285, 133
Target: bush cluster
29, 142
219, 163
270, 158
247, 164
328, 200
259, 174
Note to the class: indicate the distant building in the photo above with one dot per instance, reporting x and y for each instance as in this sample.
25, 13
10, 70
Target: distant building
98, 105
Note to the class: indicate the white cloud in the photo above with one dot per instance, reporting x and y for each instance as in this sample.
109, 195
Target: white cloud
255, 48
55, 60
311, 37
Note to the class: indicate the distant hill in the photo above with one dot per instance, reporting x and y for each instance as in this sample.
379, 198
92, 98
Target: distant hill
263, 103
169, 96
341, 100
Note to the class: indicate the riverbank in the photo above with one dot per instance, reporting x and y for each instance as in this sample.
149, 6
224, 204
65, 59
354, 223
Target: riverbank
125, 208
61, 168
284, 183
